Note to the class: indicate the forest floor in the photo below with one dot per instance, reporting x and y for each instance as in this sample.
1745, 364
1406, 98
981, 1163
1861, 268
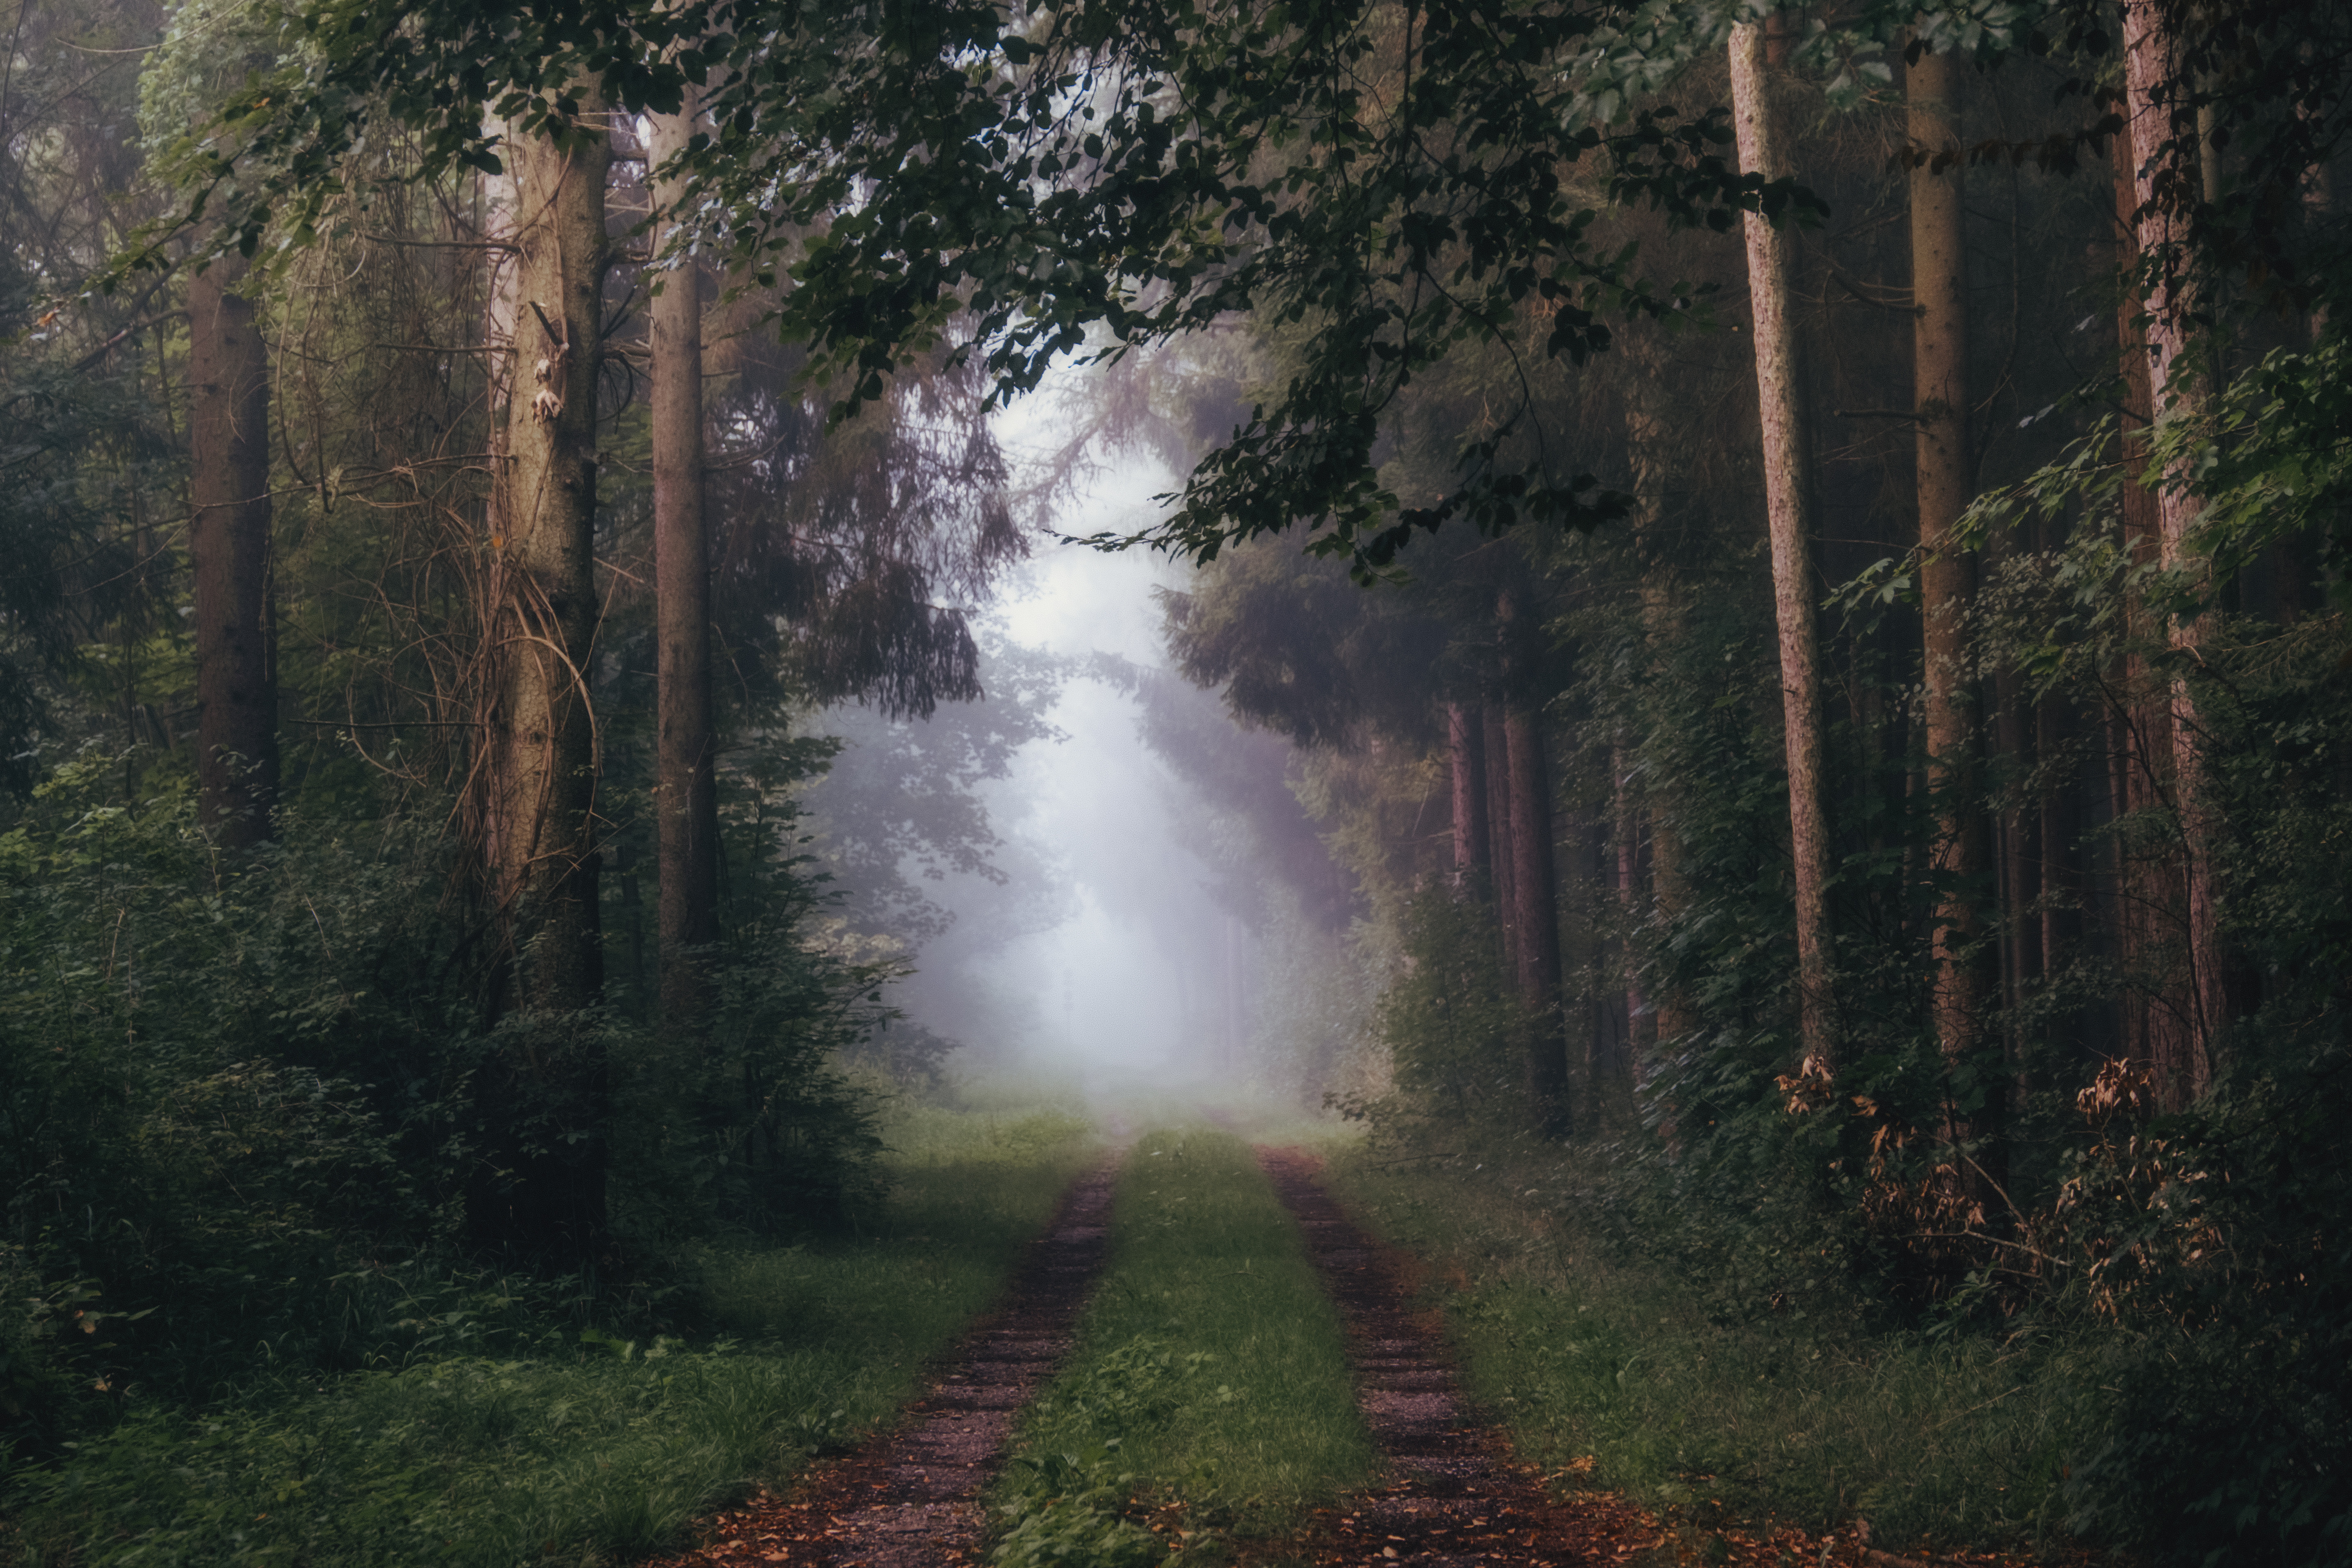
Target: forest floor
1449, 1493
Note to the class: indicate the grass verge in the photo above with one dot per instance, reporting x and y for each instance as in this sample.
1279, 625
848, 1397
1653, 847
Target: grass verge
1208, 1392
571, 1448
1607, 1369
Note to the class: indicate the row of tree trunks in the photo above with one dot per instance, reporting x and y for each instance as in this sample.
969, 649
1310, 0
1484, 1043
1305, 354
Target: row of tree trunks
1501, 791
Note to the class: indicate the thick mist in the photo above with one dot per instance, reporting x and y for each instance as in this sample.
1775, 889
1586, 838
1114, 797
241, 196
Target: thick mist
1078, 932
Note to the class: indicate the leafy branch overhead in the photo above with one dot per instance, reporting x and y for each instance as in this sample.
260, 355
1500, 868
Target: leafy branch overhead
1085, 179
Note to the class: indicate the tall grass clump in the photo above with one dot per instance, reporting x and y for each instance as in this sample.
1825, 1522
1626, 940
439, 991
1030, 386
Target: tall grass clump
1211, 1380
1618, 1369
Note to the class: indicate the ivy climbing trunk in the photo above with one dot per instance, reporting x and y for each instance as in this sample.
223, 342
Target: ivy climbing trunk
547, 1195
1788, 509
686, 794
2167, 172
228, 545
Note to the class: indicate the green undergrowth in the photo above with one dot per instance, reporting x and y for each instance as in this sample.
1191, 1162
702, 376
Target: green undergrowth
1615, 1372
543, 1443
1209, 1396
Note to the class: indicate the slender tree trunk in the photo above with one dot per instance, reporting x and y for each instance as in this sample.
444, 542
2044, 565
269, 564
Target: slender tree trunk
2140, 741
1939, 347
687, 792
2150, 73
228, 540
1939, 363
1648, 434
1503, 853
542, 815
1639, 1034
1465, 745
1788, 506
1534, 884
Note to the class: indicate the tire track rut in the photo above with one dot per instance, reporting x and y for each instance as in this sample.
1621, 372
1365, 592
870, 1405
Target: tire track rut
909, 1498
1455, 1497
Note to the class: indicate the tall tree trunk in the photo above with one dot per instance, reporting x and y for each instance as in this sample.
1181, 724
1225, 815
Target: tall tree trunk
1503, 853
1788, 507
2151, 71
2147, 899
228, 540
542, 823
688, 791
1465, 745
1534, 883
1649, 431
1939, 354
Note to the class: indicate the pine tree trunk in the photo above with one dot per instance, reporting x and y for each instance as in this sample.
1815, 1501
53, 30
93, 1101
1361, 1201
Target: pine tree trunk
1466, 746
1648, 434
1788, 507
1503, 852
2147, 899
2150, 70
1940, 350
228, 543
548, 1195
1534, 883
688, 794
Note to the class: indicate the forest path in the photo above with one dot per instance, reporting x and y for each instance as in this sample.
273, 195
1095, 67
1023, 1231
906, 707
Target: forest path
910, 1497
1454, 1496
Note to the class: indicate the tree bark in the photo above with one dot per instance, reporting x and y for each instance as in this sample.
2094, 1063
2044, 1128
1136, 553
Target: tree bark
1939, 351
1466, 746
686, 794
1503, 855
228, 543
1534, 883
548, 1196
2150, 70
1788, 508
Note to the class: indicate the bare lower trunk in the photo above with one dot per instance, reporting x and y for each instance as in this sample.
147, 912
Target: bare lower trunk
688, 794
1503, 857
1466, 746
1788, 508
228, 543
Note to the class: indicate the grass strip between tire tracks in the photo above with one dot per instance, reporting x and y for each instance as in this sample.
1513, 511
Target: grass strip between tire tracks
1209, 1397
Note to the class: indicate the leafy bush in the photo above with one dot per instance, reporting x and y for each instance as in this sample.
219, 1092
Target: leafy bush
1453, 1027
